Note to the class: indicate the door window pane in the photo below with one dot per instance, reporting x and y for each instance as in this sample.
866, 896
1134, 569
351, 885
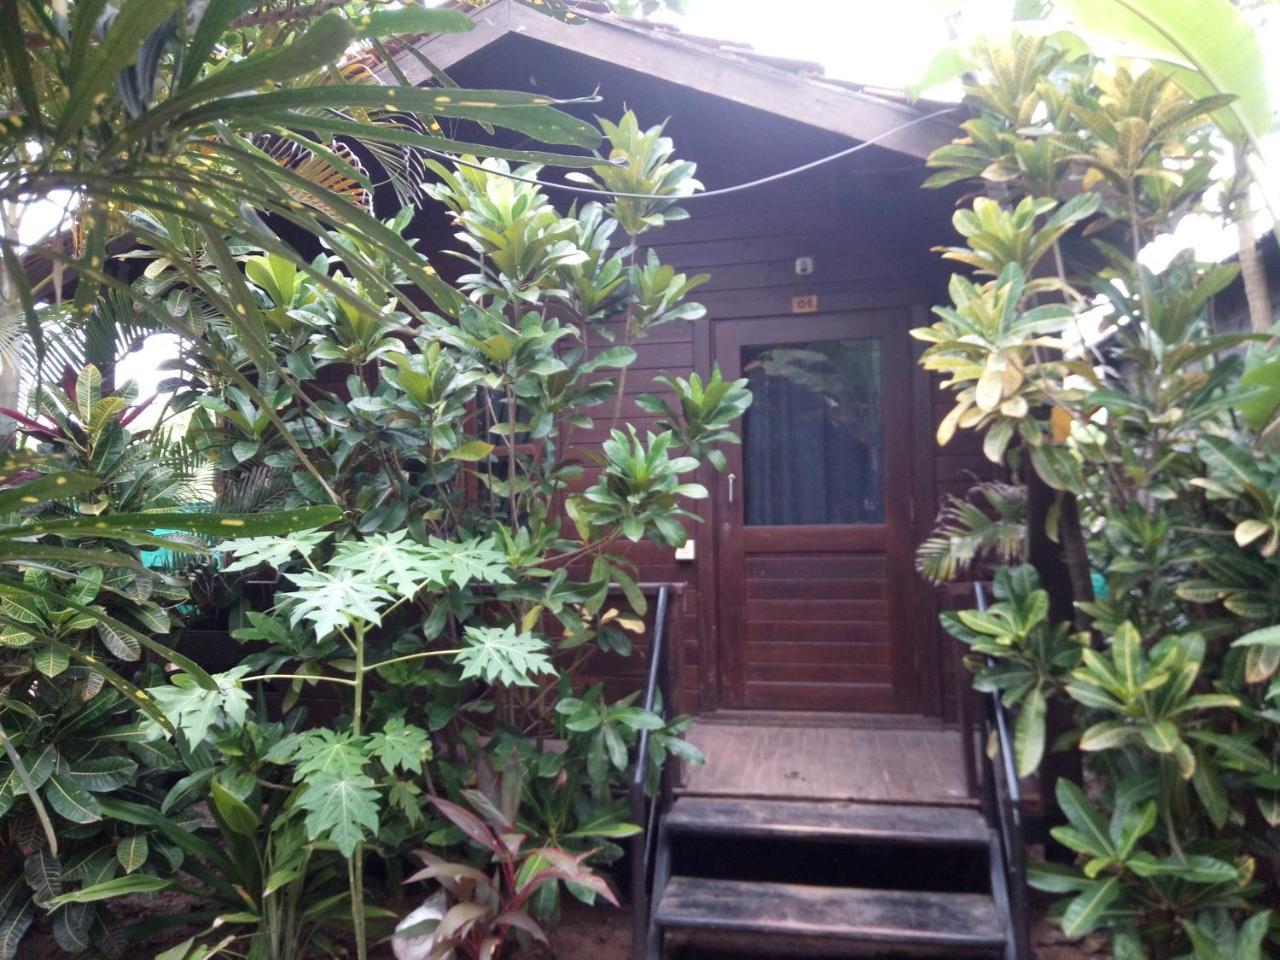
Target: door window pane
813, 450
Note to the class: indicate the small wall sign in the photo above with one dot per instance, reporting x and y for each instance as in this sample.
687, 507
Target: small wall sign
805, 304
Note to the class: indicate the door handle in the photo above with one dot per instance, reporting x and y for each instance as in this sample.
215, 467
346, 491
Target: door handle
731, 479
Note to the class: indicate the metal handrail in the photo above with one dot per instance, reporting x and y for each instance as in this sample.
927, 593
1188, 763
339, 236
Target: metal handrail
645, 810
1002, 804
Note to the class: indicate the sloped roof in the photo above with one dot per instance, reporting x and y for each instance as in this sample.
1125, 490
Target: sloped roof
795, 89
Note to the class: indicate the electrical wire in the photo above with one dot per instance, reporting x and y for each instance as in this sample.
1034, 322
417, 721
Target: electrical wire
718, 192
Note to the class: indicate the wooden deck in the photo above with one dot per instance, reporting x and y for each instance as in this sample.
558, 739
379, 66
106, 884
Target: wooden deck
913, 765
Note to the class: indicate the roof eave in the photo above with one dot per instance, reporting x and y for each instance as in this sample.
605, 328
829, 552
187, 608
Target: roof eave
806, 99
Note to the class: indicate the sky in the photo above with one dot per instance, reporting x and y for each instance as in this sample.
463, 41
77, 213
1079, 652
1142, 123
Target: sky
875, 42
881, 42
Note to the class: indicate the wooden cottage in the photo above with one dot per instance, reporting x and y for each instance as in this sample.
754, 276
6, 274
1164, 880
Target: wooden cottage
802, 637
799, 592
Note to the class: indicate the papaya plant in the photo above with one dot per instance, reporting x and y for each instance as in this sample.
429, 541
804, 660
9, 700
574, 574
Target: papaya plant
477, 570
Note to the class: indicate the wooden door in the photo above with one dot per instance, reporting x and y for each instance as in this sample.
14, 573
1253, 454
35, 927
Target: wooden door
813, 543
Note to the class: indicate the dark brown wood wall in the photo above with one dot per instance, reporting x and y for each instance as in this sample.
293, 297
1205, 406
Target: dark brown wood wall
869, 252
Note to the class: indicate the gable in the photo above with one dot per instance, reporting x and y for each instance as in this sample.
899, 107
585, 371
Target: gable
754, 82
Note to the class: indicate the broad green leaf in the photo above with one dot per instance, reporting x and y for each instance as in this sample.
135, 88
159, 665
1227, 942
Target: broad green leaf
1055, 877
187, 664
950, 64
400, 746
73, 927
13, 926
527, 113
1108, 735
71, 801
334, 600
51, 660
189, 843
274, 551
235, 813
1211, 36
343, 809
1251, 935
53, 486
1084, 913
386, 23
194, 709
1126, 944
1265, 637
1161, 736
1201, 942
605, 826
132, 852
1233, 750
501, 655
1211, 790
43, 872
1081, 814
470, 451
103, 774
120, 644
88, 392
119, 887
323, 751
123, 525
1126, 652
1029, 732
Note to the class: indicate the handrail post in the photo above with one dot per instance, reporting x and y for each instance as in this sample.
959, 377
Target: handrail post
657, 681
1003, 808
970, 724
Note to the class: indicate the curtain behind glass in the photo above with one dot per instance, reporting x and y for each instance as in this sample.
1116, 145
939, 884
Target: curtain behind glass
812, 438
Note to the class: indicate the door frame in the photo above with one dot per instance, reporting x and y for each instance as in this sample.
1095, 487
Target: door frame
895, 537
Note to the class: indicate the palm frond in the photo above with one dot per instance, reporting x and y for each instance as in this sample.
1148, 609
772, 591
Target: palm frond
335, 170
967, 531
256, 489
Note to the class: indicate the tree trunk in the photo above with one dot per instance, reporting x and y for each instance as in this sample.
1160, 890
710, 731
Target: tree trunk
1064, 573
10, 381
1252, 270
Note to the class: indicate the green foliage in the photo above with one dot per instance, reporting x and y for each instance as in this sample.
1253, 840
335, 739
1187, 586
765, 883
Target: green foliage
448, 598
705, 412
435, 613
170, 128
638, 491
1018, 653
639, 161
1169, 668
501, 655
491, 910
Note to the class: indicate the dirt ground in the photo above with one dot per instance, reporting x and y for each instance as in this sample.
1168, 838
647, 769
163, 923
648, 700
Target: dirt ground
585, 933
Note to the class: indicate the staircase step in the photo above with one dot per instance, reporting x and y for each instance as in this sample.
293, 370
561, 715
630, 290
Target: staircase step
840, 822
884, 918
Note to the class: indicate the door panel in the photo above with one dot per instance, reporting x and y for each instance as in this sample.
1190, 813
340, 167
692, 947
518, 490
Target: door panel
812, 512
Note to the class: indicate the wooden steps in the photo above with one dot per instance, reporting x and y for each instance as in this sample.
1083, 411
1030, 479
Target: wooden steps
943, 921
834, 822
825, 879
